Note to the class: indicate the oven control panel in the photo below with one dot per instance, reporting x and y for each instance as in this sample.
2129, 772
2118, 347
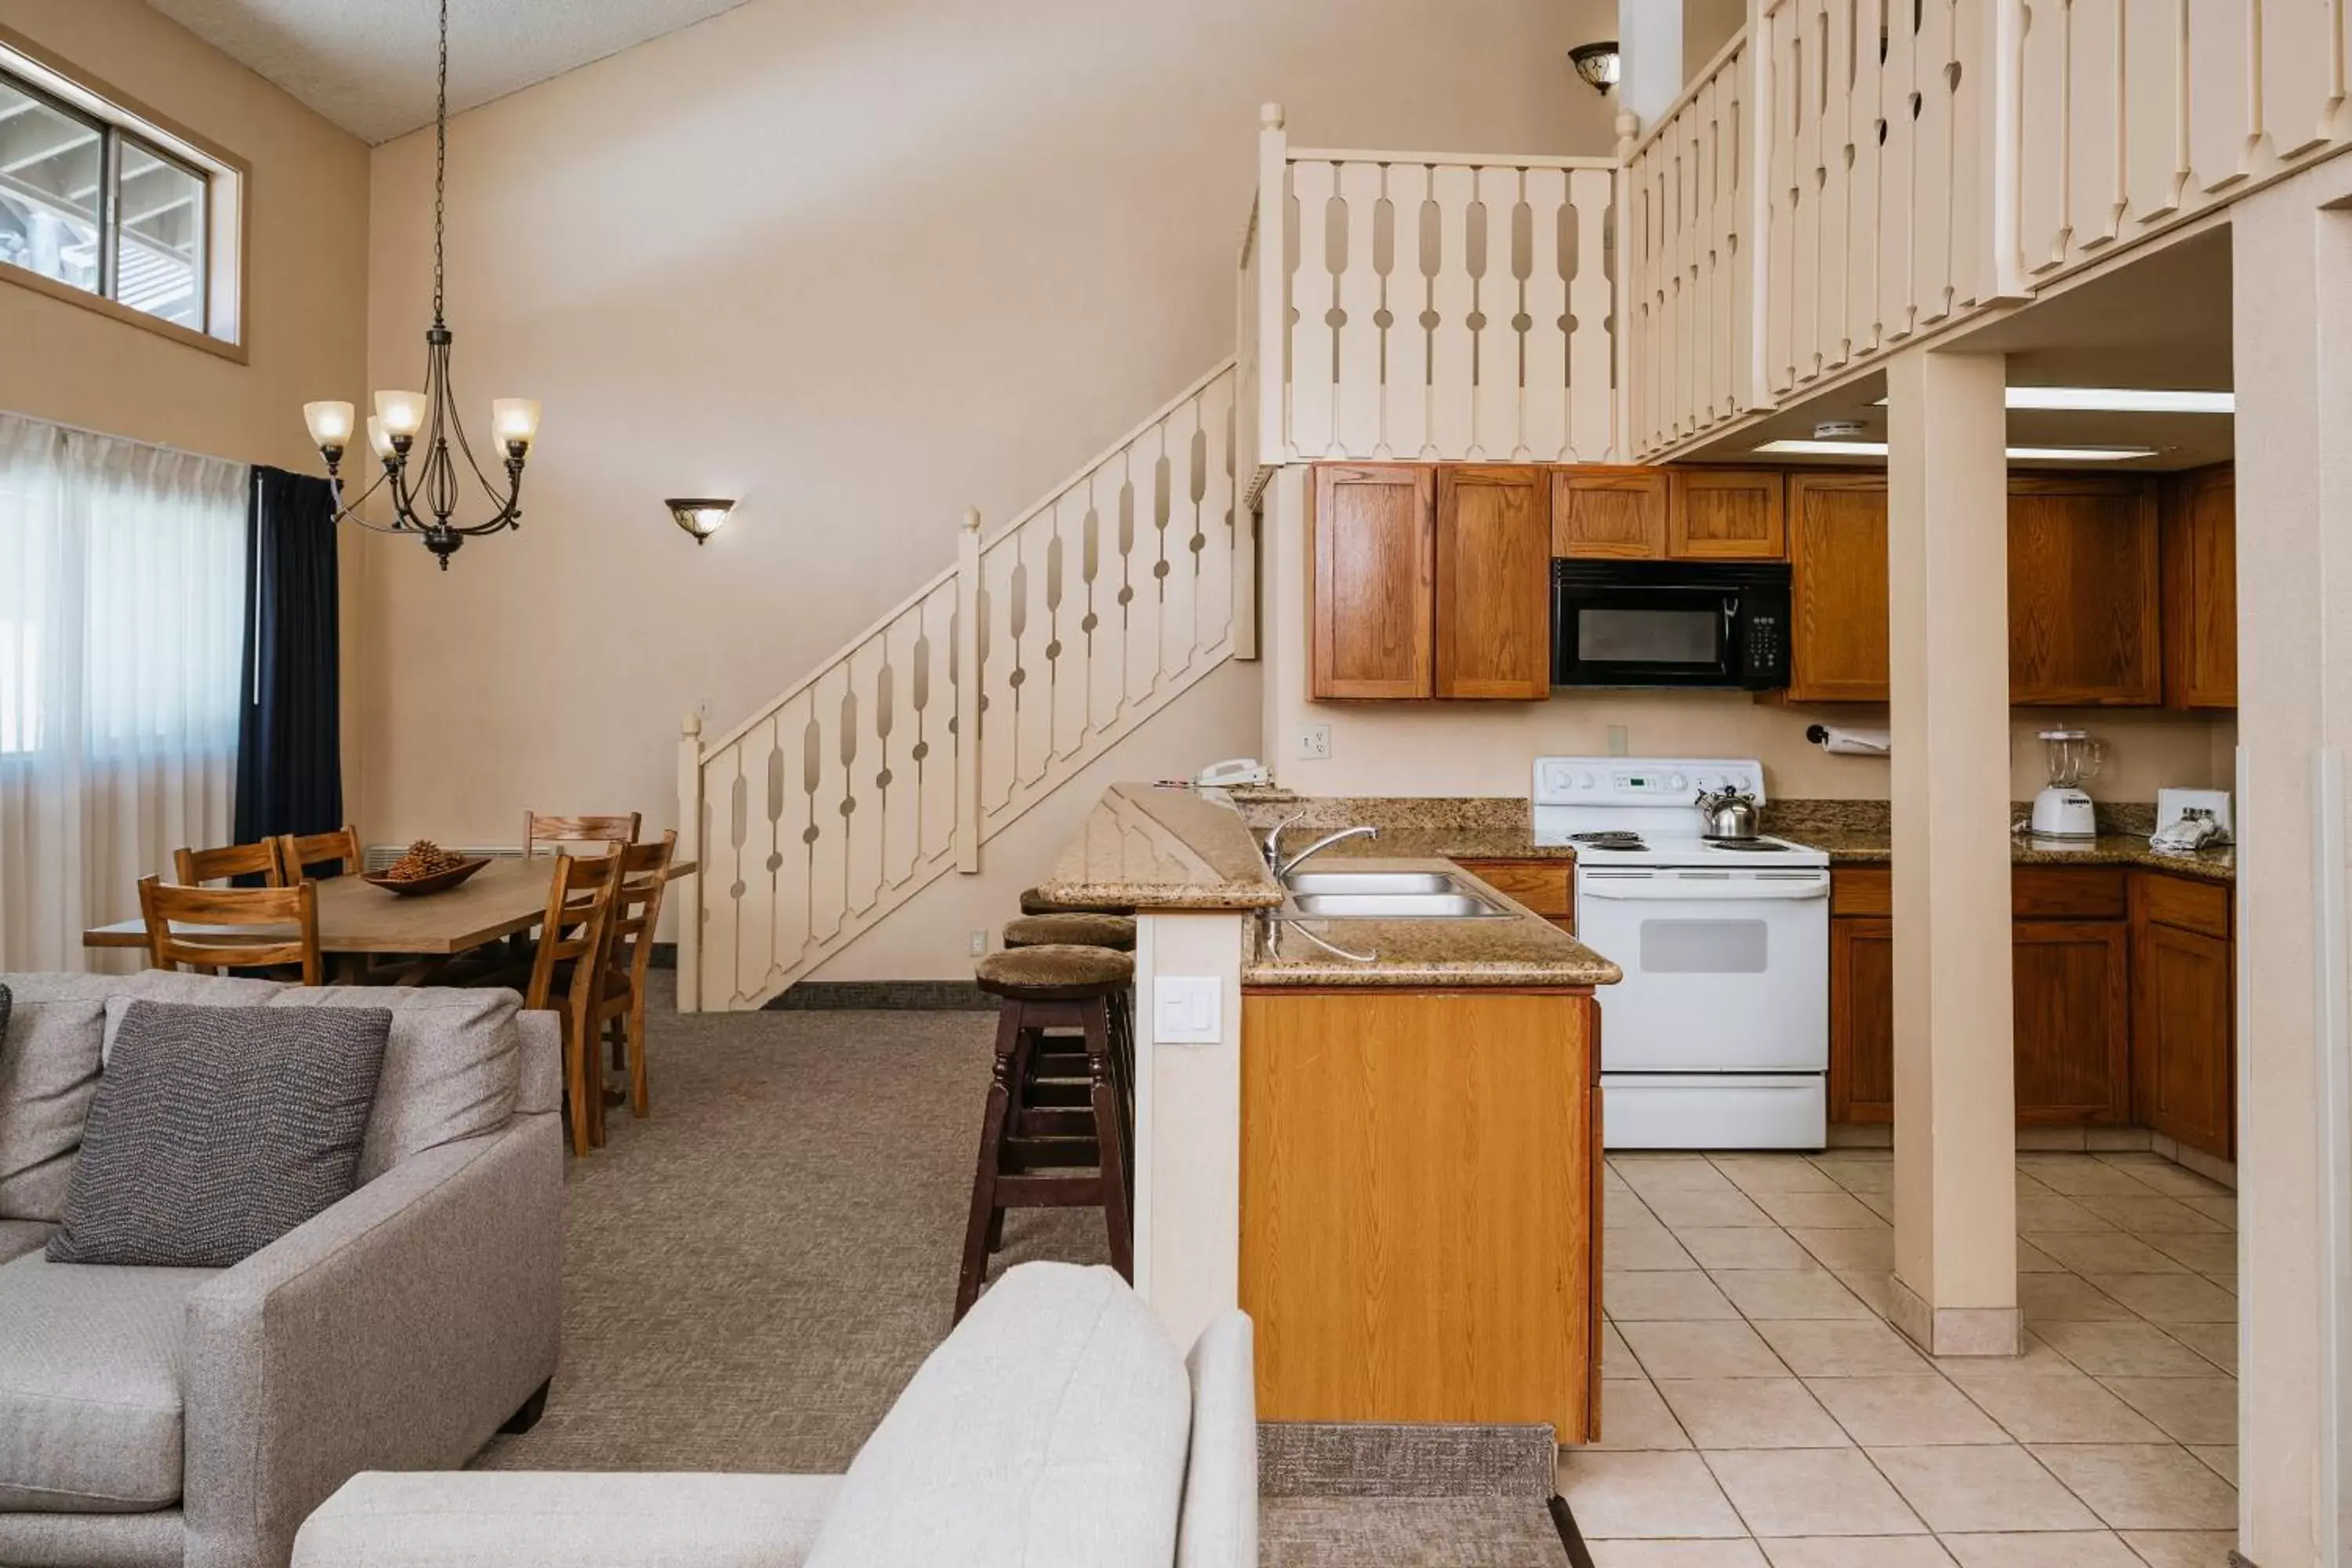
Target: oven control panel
1641, 781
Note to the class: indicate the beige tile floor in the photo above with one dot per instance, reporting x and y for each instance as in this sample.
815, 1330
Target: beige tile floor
1758, 1412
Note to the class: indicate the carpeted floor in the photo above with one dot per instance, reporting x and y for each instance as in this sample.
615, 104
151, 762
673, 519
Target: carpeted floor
754, 1272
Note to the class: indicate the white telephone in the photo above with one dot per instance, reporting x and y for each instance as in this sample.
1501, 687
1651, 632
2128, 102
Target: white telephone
1234, 773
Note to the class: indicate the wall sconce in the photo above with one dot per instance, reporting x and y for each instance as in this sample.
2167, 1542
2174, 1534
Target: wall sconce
700, 515
1598, 64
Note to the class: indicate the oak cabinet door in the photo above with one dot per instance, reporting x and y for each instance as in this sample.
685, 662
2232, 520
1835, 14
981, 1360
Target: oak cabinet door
2083, 590
1493, 581
1862, 1019
1608, 512
1374, 563
2201, 590
2184, 1012
2071, 990
1837, 552
1547, 887
1725, 514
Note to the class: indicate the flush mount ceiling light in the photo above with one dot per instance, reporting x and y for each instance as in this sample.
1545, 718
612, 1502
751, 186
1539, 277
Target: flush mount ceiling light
1598, 64
700, 515
2115, 400
2017, 454
424, 494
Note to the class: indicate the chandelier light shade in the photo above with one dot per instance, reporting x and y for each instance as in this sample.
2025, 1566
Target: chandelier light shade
700, 515
417, 437
1598, 64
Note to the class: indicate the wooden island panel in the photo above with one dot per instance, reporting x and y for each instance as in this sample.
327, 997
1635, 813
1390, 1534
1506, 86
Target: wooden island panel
1419, 1220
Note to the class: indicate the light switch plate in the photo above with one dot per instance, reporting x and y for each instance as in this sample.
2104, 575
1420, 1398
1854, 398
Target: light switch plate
1187, 1010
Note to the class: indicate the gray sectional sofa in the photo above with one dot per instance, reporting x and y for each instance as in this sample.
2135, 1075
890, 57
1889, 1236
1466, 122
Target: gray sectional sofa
171, 1416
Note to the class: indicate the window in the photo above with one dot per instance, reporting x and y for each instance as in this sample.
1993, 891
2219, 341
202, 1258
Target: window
112, 210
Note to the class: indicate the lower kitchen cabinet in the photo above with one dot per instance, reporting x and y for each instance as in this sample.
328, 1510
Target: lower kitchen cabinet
1547, 887
2071, 981
2184, 1064
1862, 1018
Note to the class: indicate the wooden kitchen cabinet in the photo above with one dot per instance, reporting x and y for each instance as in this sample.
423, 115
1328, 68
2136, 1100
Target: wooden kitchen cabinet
2184, 1064
1608, 512
2084, 599
2200, 588
2071, 982
1374, 568
1547, 887
1725, 514
1837, 554
1493, 581
1862, 1018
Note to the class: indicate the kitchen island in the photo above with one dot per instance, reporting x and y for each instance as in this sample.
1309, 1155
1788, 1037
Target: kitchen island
1389, 1153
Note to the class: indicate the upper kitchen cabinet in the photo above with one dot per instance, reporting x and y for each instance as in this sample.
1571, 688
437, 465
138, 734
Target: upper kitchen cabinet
2084, 591
1493, 581
1837, 554
1724, 514
2200, 588
1374, 563
1607, 513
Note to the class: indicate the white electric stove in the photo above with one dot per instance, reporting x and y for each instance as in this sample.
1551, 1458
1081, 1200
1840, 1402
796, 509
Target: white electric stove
1718, 1036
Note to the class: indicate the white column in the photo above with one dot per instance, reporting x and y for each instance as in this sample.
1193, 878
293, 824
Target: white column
1955, 1098
2292, 317
1649, 56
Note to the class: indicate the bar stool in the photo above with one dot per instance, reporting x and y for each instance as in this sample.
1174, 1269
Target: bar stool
1034, 903
1052, 1073
1052, 1157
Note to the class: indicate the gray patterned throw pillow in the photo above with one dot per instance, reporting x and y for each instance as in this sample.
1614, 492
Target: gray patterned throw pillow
217, 1130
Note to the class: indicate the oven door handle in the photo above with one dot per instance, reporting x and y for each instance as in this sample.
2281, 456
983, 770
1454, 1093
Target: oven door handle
1699, 890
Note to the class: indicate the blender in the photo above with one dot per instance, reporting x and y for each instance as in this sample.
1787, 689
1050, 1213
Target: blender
2061, 810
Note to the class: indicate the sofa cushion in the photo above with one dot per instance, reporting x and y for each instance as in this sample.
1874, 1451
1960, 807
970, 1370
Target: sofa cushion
539, 1518
1218, 1526
48, 1074
90, 1386
19, 1236
218, 1129
1048, 1431
450, 1069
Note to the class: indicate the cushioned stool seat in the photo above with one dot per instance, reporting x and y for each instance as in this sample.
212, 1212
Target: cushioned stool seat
1034, 903
1115, 932
1054, 974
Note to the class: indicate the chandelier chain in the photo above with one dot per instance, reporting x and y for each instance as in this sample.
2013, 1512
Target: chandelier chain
440, 159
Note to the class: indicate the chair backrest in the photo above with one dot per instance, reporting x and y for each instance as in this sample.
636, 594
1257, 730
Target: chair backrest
194, 867
577, 930
208, 948
644, 872
555, 832
298, 852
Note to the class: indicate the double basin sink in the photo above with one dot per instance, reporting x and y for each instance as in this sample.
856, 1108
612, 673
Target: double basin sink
1387, 896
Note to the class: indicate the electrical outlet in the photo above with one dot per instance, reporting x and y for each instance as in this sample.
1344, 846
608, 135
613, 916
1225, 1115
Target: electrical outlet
1619, 744
980, 943
1315, 742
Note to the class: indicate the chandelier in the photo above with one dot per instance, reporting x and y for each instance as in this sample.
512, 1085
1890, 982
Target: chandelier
413, 434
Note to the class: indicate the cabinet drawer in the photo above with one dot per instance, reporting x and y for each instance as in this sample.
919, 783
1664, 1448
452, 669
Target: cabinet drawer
1544, 886
2160, 898
1862, 890
2067, 893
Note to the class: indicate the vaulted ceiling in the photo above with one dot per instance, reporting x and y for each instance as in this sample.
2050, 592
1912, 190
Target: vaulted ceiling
368, 65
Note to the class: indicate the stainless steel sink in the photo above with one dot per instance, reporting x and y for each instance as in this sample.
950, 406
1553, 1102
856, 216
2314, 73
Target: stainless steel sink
1462, 906
1314, 882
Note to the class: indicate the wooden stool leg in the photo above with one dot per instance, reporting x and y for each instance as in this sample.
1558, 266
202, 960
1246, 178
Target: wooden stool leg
1110, 1115
640, 1087
983, 1176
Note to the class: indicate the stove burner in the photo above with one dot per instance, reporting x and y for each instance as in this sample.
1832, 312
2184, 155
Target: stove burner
1749, 846
1622, 846
1613, 835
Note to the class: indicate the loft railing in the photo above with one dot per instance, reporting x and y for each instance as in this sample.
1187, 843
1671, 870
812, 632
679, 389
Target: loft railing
952, 715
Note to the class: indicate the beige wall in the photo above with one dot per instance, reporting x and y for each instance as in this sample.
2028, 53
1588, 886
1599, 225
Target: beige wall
306, 282
859, 265
1708, 25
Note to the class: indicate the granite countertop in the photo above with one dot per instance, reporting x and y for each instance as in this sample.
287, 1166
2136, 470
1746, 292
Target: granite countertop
1528, 951
1159, 848
1432, 827
1860, 833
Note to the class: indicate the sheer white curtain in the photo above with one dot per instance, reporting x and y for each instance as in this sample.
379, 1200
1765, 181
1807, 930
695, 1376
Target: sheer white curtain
121, 619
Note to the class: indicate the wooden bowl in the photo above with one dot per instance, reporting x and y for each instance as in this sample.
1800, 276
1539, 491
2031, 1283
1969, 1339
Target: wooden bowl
439, 882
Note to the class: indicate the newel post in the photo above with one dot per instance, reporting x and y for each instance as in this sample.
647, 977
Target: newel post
967, 694
1273, 287
689, 894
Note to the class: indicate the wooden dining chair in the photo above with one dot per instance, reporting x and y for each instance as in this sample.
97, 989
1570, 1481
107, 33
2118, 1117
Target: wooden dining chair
208, 949
567, 976
194, 867
299, 852
620, 1009
554, 833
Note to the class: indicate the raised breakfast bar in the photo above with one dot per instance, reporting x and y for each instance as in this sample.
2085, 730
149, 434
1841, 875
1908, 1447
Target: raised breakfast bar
1381, 1137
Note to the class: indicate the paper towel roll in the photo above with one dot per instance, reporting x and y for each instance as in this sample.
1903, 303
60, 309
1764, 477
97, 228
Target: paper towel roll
1851, 742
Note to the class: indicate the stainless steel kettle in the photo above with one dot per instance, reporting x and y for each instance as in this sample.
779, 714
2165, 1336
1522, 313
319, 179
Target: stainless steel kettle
1730, 813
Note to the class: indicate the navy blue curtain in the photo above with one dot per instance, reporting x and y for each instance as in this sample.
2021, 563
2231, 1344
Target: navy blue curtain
290, 753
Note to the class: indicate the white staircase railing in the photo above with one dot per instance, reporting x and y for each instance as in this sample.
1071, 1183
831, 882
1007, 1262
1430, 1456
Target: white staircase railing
955, 713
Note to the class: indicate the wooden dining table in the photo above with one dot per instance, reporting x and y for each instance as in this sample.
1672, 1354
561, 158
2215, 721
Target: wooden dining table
358, 921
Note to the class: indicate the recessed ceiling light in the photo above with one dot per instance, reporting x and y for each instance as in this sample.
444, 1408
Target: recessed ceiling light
2117, 400
2017, 454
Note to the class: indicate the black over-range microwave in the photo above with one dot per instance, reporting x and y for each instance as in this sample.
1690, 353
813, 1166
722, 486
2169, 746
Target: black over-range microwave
1670, 623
